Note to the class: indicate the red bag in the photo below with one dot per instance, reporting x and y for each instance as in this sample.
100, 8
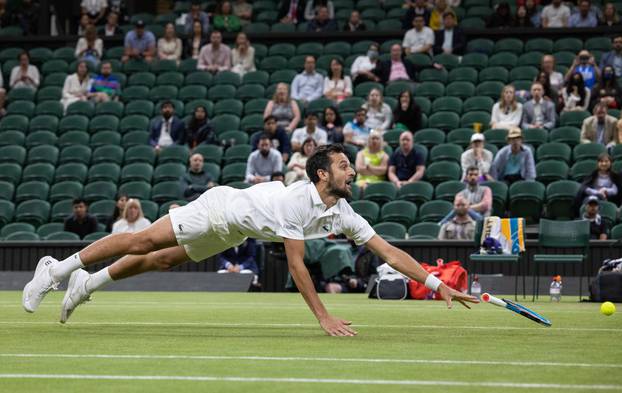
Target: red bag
451, 274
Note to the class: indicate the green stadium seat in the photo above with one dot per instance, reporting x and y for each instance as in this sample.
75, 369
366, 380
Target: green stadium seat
139, 107
551, 170
55, 65
61, 210
135, 93
103, 123
523, 72
144, 154
32, 190
111, 108
65, 190
22, 236
62, 235
390, 230
499, 196
150, 210
72, 171
477, 103
250, 91
198, 78
442, 171
490, 89
267, 17
535, 136
222, 123
448, 104
213, 170
49, 93
363, 89
351, 104
139, 171
434, 211
460, 137
481, 12
526, 199
430, 136
237, 153
602, 44
10, 172
498, 74
95, 236
424, 103
189, 93
380, 192
210, 153
102, 209
162, 93
221, 92
469, 119
569, 44
171, 78
447, 190
188, 66
233, 172
134, 123
43, 153
171, 171
430, 90
283, 28
135, 138
12, 154
560, 197
174, 153
256, 77
554, 151
12, 138
43, 122
233, 137
138, 189
587, 151
255, 106
447, 60
463, 74
512, 45
369, 210
55, 79
573, 119
282, 49
531, 59
503, 59
24, 108
7, 210
544, 45
441, 120
41, 137
14, 122
582, 169
446, 152
227, 78
109, 154
462, 90
73, 123
99, 190
189, 107
273, 63
424, 231
402, 212
310, 49
15, 227
616, 232
135, 66
480, 45
42, 171
83, 108
105, 138
6, 190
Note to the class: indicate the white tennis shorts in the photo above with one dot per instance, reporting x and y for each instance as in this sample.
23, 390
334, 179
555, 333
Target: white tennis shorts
201, 228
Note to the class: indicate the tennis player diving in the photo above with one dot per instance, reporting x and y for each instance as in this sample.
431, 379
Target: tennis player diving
223, 217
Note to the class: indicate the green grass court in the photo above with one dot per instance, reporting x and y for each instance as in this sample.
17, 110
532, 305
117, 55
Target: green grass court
249, 342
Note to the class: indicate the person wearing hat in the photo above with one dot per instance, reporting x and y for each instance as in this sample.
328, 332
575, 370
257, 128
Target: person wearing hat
139, 44
310, 130
598, 227
514, 162
477, 156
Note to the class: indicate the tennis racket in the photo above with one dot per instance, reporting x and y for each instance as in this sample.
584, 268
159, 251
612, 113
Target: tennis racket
517, 308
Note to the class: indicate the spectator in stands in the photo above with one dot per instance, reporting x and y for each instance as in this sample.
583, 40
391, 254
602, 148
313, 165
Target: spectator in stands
332, 123
405, 165
501, 18
354, 23
584, 17
24, 74
111, 28
397, 67
278, 137
278, 176
309, 84
133, 219
514, 162
600, 128
167, 129
522, 19
80, 222
507, 112
356, 131
169, 46
139, 44
243, 55
284, 109
85, 22
199, 129
196, 180
337, 86
77, 86
2, 96
598, 226
608, 90
538, 112
263, 162
478, 196
95, 9
119, 206
407, 114
379, 115
310, 130
240, 259
312, 9
322, 23
419, 39
547, 91
27, 15
296, 168
90, 48
362, 69
225, 20
215, 56
613, 58
555, 14
585, 64
610, 17
461, 226
436, 16
244, 11
418, 7
6, 17
603, 183
195, 41
534, 14
477, 156
372, 162
196, 15
292, 11
575, 95
556, 79
105, 86
451, 39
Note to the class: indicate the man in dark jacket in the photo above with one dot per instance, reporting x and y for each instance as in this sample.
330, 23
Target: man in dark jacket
278, 137
240, 259
167, 129
398, 67
196, 181
451, 39
292, 11
80, 222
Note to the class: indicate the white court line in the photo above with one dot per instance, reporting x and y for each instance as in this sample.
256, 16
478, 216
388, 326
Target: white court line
307, 359
206, 378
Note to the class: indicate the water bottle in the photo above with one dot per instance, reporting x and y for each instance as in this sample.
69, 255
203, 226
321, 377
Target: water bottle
476, 288
556, 289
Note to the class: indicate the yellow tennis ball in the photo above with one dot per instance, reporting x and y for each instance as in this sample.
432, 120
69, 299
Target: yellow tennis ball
607, 308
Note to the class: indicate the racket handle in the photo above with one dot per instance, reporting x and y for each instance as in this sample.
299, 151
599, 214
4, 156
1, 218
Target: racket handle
488, 298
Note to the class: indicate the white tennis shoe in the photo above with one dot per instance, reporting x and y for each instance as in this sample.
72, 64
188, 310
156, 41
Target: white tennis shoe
76, 293
40, 285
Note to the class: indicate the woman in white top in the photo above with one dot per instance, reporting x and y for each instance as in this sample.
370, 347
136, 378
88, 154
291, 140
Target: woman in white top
90, 48
508, 112
337, 86
77, 86
24, 74
575, 95
379, 115
133, 219
296, 168
169, 46
243, 55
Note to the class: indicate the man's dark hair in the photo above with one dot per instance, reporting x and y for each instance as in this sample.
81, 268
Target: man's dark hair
78, 201
264, 137
268, 118
360, 110
321, 160
165, 103
472, 168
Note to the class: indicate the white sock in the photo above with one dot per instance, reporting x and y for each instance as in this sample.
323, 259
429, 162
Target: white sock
63, 269
98, 280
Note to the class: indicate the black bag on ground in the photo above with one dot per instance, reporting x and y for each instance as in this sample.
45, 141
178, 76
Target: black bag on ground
607, 286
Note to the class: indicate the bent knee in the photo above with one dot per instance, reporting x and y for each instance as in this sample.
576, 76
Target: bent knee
162, 261
140, 243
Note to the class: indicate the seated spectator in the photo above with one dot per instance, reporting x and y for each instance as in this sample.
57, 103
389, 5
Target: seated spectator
451, 39
514, 162
598, 226
419, 39
507, 112
395, 68
379, 115
215, 56
140, 44
167, 129
556, 79
356, 131
309, 84
354, 23
522, 19
90, 48
24, 74
243, 55
278, 176
77, 86
603, 183
407, 114
278, 137
283, 108
436, 16
310, 130
199, 129
545, 80
585, 65
405, 165
362, 69
244, 11
555, 14
575, 95
372, 162
461, 226
169, 46
337, 86
313, 6
613, 58
584, 17
85, 22
610, 17
600, 128
418, 7
533, 12
333, 125
478, 196
501, 18
196, 15
239, 259
80, 222
225, 20
111, 28
291, 11
263, 162
195, 41
96, 10
195, 181
132, 220
2, 97
322, 23
119, 206
105, 86
477, 156
538, 112
6, 17
27, 16
296, 168
608, 90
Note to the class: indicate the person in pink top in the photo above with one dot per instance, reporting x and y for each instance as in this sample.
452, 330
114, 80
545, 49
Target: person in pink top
215, 56
398, 67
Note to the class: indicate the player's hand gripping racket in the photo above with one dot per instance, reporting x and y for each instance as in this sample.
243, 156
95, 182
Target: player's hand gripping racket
517, 308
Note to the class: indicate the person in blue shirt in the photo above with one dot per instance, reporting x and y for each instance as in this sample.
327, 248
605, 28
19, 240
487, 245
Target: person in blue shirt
584, 17
139, 44
585, 65
515, 161
240, 259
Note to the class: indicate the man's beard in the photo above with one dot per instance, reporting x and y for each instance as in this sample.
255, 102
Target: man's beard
337, 192
264, 153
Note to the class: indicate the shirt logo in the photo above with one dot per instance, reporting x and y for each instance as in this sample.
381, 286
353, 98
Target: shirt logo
181, 228
326, 228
